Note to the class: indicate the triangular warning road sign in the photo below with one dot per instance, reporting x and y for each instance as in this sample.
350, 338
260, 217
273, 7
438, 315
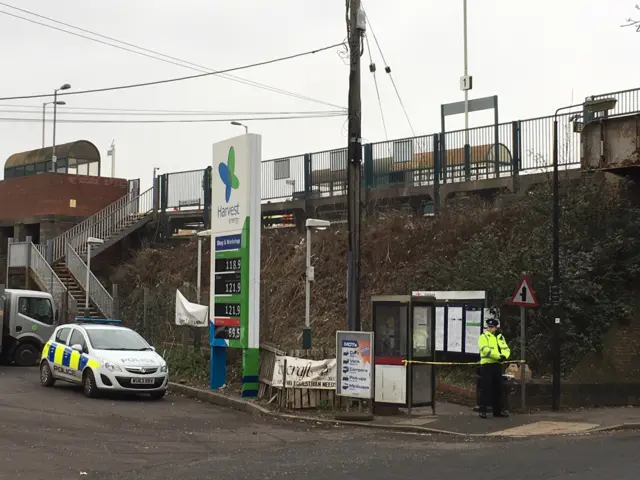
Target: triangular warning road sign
524, 296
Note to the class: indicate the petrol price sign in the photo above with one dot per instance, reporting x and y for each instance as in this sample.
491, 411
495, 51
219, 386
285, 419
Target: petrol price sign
228, 283
227, 310
224, 265
235, 225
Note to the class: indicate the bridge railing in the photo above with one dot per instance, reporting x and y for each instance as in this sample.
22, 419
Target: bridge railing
283, 178
185, 189
628, 101
522, 146
536, 140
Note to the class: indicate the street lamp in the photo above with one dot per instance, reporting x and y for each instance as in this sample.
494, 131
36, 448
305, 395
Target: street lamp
201, 237
66, 86
590, 105
60, 102
90, 242
238, 124
310, 224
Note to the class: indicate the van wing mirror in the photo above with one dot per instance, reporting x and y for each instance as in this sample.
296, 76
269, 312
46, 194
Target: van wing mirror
56, 317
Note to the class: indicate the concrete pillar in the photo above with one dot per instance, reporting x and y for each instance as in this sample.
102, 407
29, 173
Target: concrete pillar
19, 232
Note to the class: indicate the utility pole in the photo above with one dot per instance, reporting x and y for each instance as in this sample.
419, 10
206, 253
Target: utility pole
356, 29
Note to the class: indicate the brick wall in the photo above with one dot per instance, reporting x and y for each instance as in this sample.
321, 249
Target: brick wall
619, 360
53, 193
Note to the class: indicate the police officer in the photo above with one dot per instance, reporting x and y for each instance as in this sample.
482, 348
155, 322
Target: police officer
493, 351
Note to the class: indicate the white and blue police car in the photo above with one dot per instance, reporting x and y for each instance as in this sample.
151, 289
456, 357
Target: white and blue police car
101, 355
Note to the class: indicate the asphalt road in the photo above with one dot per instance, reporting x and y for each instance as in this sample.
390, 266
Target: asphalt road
58, 433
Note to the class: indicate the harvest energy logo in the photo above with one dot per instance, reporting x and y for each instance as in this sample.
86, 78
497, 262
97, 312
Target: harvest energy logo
227, 172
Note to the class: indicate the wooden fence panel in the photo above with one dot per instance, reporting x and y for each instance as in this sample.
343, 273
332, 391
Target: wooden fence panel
294, 398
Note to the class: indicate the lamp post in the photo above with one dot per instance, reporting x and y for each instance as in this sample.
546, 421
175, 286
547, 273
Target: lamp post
44, 105
90, 241
66, 86
238, 124
310, 224
591, 105
201, 237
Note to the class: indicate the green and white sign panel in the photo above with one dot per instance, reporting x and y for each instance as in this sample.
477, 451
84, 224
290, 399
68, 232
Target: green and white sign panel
235, 257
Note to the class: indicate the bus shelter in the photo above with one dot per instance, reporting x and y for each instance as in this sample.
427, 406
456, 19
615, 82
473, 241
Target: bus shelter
403, 329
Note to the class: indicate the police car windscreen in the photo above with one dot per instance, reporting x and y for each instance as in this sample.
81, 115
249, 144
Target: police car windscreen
111, 339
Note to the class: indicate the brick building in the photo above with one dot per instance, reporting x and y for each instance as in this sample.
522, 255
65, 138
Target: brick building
42, 200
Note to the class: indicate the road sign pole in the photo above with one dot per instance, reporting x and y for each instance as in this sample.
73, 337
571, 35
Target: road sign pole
523, 365
523, 297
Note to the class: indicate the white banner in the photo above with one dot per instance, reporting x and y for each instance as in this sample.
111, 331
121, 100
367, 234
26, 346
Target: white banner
190, 314
303, 373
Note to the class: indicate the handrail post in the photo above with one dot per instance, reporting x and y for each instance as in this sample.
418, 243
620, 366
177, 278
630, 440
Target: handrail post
9, 243
28, 263
116, 306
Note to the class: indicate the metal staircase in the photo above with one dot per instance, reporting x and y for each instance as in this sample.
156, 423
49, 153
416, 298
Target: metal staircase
28, 255
113, 223
76, 291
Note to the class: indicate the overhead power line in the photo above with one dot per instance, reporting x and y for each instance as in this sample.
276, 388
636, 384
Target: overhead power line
372, 69
90, 111
387, 69
178, 79
153, 54
196, 120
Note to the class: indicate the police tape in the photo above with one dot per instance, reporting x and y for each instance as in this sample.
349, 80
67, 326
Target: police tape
418, 362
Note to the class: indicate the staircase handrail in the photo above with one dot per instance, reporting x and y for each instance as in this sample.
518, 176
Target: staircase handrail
104, 226
58, 243
50, 281
100, 296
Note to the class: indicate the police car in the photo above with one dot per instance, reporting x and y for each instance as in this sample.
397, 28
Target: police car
103, 356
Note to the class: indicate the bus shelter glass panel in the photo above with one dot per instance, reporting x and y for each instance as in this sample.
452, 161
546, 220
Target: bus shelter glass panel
390, 327
423, 349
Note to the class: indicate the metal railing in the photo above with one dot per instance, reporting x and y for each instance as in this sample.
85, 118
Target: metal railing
282, 178
97, 293
185, 189
50, 281
18, 254
106, 222
522, 146
106, 226
28, 255
628, 101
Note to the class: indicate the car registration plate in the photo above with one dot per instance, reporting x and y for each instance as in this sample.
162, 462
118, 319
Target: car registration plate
142, 381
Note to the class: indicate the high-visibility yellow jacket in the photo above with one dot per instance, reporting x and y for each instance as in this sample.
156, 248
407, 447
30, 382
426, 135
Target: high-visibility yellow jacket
492, 347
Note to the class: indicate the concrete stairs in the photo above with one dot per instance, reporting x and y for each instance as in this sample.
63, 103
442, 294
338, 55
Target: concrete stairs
76, 290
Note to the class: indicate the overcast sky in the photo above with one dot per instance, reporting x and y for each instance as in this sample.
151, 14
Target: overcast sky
536, 56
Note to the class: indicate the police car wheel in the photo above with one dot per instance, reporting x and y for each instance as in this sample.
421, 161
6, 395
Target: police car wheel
89, 385
46, 376
26, 355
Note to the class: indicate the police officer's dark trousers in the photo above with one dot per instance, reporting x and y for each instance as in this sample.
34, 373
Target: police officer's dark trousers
491, 387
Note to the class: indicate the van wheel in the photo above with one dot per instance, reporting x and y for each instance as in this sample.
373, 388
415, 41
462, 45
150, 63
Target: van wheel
89, 385
46, 376
26, 355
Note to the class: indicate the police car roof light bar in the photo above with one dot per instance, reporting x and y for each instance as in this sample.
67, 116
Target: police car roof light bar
98, 320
